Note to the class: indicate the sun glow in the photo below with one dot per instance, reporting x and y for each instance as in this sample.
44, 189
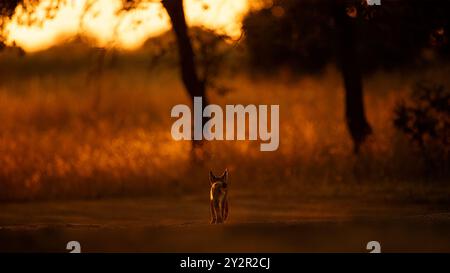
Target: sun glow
103, 21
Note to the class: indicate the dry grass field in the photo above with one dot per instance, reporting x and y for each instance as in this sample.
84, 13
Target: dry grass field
86, 152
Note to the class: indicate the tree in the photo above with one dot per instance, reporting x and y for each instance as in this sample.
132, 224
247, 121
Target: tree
361, 39
194, 86
348, 61
306, 35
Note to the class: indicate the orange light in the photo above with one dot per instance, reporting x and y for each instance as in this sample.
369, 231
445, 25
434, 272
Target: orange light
110, 28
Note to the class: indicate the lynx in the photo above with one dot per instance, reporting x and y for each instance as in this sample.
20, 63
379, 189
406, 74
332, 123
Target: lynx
218, 197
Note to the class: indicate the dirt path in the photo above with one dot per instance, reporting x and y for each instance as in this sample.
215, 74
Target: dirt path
181, 225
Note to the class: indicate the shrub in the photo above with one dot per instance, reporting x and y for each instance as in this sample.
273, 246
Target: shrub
425, 119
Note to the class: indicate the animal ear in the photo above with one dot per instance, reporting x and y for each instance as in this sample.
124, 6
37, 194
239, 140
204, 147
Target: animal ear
225, 175
212, 178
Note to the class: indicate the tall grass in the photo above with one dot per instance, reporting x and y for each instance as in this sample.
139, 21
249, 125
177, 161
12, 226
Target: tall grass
67, 130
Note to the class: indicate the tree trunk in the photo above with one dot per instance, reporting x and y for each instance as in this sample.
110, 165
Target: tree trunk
191, 81
348, 60
189, 75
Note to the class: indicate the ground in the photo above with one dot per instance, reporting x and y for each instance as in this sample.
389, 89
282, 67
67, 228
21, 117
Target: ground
258, 224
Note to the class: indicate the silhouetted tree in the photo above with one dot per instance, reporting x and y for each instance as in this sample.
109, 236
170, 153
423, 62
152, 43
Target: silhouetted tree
189, 74
194, 86
306, 35
348, 61
188, 68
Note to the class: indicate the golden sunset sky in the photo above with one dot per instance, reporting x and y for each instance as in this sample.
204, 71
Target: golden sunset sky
127, 30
